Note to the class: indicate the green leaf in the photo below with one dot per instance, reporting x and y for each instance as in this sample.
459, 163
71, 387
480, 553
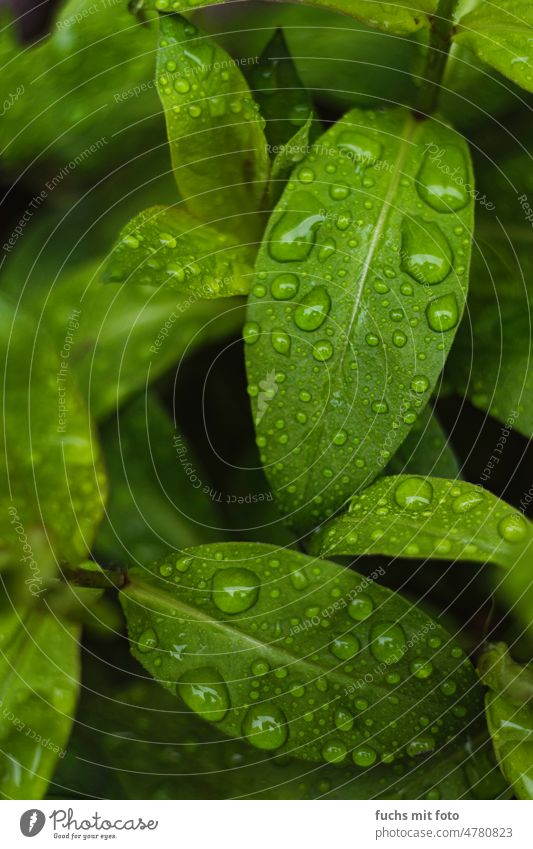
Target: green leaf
426, 450
217, 144
286, 157
323, 648
421, 517
159, 496
277, 88
509, 712
361, 283
39, 675
143, 741
164, 246
490, 362
501, 35
128, 336
402, 17
84, 87
52, 480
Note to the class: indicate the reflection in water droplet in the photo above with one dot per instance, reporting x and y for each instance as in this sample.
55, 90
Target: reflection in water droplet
513, 528
285, 286
264, 726
426, 253
443, 313
387, 642
313, 309
413, 494
147, 640
442, 184
235, 589
204, 692
293, 234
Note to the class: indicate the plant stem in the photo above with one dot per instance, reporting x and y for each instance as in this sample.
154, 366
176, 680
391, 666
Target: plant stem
440, 39
95, 579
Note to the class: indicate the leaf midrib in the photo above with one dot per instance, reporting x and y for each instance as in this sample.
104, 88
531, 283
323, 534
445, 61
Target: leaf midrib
142, 588
408, 132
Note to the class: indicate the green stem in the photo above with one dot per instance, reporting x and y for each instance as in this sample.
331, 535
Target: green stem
95, 579
440, 40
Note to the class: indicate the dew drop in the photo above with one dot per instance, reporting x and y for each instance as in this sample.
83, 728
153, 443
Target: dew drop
413, 494
440, 190
359, 147
285, 286
346, 647
251, 332
205, 692
387, 642
147, 641
313, 309
426, 253
293, 234
281, 342
235, 589
512, 528
360, 607
334, 752
364, 756
264, 726
322, 350
443, 313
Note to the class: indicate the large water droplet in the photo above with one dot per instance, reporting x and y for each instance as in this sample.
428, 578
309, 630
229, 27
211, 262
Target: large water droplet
293, 234
513, 528
147, 640
285, 286
364, 756
313, 309
251, 332
322, 350
281, 342
205, 692
413, 494
387, 642
426, 253
441, 179
359, 147
334, 751
466, 502
264, 726
345, 647
443, 313
235, 589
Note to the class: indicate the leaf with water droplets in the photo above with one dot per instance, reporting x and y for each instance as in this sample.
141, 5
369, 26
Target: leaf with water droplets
421, 517
509, 712
426, 450
402, 17
288, 156
164, 246
53, 483
298, 655
501, 35
39, 680
146, 744
375, 236
217, 144
491, 362
158, 492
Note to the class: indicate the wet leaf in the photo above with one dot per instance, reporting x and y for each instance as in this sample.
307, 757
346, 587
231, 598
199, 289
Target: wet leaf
215, 132
509, 712
402, 17
426, 450
298, 656
361, 283
501, 35
39, 675
164, 246
422, 517
53, 482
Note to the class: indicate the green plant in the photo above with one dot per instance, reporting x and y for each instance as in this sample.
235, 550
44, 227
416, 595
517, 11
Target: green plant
314, 605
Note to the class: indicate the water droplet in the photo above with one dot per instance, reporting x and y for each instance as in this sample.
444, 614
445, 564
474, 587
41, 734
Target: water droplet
426, 253
339, 191
419, 383
235, 589
387, 642
281, 342
364, 756
346, 647
298, 579
372, 340
360, 148
327, 249
513, 528
440, 190
334, 752
285, 286
260, 667
264, 726
399, 338
251, 332
293, 234
380, 407
421, 668
306, 175
147, 641
413, 494
420, 746
443, 313
360, 607
182, 86
340, 437
205, 693
466, 502
322, 350
313, 309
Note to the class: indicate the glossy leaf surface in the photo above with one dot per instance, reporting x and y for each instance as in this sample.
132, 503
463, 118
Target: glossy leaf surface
298, 656
426, 450
361, 283
501, 34
215, 132
509, 711
167, 247
422, 517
